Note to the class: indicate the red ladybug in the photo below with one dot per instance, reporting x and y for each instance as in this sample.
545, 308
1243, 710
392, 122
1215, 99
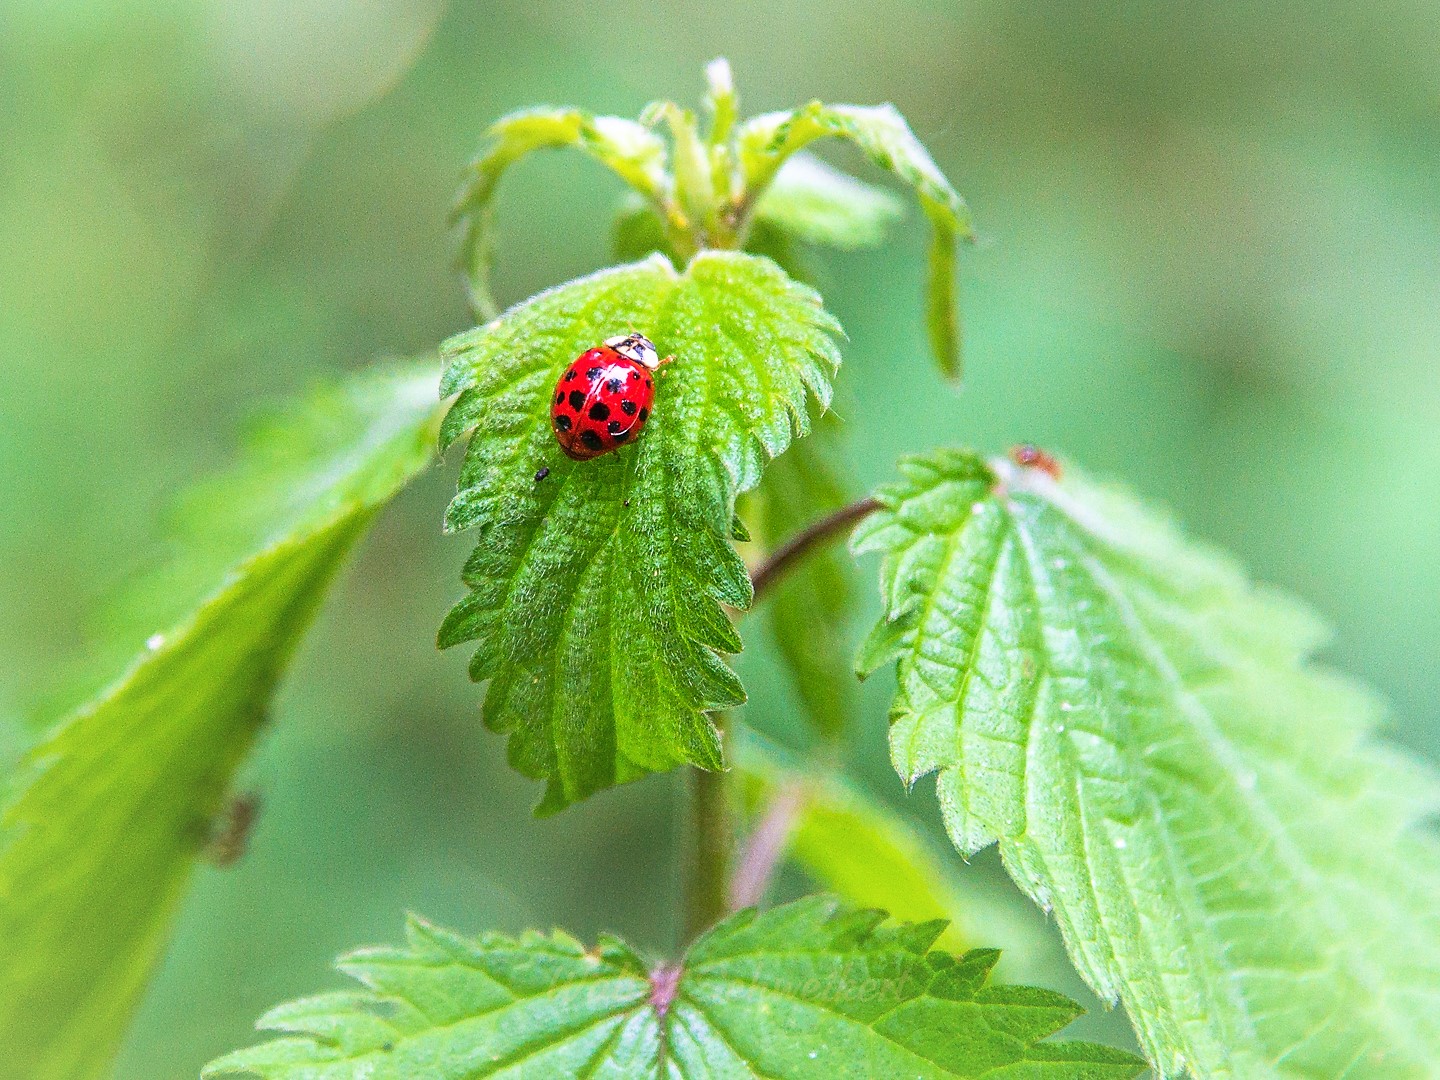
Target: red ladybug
604, 398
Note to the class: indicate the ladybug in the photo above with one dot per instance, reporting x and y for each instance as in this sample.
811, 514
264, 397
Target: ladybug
603, 399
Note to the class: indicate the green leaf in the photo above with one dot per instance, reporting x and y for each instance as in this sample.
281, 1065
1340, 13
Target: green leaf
638, 230
808, 610
115, 803
1226, 849
819, 204
596, 591
851, 843
767, 141
721, 103
629, 149
15, 738
810, 990
695, 173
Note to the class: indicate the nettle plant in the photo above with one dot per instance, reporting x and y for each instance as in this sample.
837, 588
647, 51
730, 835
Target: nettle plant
1227, 852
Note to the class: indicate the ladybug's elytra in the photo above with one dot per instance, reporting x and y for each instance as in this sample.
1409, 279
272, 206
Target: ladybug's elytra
603, 399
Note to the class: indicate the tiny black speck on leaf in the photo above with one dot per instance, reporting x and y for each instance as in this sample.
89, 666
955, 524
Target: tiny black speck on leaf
541, 473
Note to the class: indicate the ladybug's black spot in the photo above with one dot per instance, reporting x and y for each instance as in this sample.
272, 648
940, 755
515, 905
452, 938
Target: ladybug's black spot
627, 407
591, 440
634, 377
599, 411
577, 400
615, 427
593, 374
613, 385
543, 472
559, 397
562, 422
643, 414
570, 374
647, 381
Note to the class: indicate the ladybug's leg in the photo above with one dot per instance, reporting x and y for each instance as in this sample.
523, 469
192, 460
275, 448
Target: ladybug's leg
666, 360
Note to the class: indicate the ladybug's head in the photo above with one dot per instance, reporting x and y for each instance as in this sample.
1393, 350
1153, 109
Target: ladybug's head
635, 347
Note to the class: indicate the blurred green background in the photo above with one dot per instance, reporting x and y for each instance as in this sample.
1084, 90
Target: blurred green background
1210, 266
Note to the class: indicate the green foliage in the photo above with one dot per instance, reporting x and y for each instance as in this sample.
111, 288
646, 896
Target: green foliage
818, 204
765, 142
809, 990
852, 844
733, 187
807, 610
696, 198
721, 104
15, 738
1225, 848
113, 806
808, 202
637, 231
596, 591
635, 153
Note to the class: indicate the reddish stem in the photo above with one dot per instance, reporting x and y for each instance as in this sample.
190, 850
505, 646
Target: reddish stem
813, 535
664, 985
766, 846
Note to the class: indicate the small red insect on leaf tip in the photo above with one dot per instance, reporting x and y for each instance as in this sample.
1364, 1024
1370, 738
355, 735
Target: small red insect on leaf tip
1030, 456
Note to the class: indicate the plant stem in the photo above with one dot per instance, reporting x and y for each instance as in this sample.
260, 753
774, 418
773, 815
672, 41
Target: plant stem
708, 888
808, 538
766, 845
707, 875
